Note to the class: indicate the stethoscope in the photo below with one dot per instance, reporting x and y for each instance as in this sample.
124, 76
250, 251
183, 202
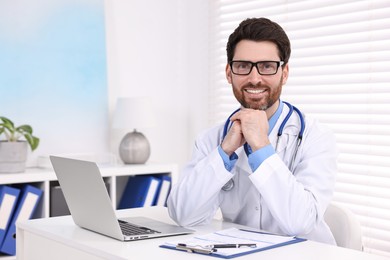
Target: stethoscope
230, 184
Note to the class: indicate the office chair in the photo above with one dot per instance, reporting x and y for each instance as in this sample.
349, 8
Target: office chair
344, 226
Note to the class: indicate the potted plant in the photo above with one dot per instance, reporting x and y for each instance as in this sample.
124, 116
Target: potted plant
13, 150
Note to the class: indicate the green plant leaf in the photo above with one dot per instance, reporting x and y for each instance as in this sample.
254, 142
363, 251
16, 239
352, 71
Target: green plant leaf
7, 127
35, 143
32, 140
24, 129
6, 121
10, 126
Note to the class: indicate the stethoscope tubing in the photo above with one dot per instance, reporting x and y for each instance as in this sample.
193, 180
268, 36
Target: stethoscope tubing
230, 184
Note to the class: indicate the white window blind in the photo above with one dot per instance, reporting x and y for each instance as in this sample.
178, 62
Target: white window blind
340, 74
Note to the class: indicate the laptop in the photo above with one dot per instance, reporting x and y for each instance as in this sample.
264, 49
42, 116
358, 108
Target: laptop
91, 208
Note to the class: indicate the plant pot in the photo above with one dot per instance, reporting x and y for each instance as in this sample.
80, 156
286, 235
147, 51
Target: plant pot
13, 156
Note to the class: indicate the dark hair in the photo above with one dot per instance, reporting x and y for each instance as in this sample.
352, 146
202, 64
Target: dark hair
259, 29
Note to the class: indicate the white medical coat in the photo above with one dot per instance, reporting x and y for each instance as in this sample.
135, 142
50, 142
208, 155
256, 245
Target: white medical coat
272, 198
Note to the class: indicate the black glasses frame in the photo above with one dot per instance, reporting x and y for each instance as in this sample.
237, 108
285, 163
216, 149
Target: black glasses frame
254, 64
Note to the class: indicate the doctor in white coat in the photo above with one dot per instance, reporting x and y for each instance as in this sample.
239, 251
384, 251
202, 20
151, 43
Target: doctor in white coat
257, 181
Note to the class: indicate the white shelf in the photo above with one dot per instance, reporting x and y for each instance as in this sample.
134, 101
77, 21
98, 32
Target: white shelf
115, 177
43, 174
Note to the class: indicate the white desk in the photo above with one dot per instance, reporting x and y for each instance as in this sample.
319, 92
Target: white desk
59, 238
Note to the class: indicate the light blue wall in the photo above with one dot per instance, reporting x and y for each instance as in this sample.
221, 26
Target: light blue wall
53, 72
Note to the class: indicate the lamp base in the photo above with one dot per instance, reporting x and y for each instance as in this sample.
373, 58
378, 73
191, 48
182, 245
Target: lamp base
134, 148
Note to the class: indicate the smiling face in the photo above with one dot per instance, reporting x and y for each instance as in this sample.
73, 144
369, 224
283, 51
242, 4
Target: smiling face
254, 90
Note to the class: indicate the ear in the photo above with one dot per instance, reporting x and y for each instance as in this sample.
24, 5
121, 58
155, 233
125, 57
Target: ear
285, 74
228, 72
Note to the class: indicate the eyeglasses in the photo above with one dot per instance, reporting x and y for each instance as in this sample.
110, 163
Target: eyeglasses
242, 67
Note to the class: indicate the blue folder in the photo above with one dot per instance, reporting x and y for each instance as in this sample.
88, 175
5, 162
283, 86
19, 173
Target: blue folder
27, 203
163, 190
140, 191
8, 199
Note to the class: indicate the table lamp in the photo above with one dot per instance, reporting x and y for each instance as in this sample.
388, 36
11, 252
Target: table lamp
134, 113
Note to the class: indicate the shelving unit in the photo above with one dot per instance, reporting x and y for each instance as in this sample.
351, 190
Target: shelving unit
115, 178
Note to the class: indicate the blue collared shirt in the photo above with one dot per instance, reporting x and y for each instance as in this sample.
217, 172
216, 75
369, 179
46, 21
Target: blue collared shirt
254, 158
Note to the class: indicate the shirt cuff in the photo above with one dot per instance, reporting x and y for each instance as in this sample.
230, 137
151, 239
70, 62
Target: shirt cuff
258, 157
229, 162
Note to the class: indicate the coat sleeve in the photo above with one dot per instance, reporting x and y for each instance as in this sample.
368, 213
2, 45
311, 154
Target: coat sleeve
302, 196
195, 198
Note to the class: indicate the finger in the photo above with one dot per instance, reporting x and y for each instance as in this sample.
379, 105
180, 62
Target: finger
236, 116
234, 138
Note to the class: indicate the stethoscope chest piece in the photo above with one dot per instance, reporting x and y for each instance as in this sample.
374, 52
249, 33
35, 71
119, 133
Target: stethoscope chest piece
228, 186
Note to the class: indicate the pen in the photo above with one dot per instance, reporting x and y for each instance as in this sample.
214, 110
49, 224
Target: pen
232, 245
195, 249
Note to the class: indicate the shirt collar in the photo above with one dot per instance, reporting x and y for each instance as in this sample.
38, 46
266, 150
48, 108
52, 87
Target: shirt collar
274, 118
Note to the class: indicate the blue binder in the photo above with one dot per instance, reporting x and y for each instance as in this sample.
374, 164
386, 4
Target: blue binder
140, 191
29, 199
163, 190
8, 199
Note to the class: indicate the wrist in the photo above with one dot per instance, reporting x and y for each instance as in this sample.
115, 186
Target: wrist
226, 149
261, 144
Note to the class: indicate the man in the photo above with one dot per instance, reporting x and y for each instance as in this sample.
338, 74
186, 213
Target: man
255, 178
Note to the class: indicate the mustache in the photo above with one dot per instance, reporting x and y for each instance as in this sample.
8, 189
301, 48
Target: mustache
258, 85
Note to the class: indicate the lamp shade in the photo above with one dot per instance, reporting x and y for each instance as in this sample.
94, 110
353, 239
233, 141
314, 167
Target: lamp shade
133, 113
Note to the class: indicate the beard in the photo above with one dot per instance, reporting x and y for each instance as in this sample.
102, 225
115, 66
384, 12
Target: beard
262, 103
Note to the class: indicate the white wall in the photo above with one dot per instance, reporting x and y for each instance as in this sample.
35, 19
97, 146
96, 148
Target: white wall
160, 49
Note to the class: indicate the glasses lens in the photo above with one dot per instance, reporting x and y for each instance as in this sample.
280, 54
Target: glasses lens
267, 67
241, 67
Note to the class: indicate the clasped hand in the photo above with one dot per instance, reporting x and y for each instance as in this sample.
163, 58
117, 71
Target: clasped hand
249, 126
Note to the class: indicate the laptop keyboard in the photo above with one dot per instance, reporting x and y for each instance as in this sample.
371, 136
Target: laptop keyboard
129, 229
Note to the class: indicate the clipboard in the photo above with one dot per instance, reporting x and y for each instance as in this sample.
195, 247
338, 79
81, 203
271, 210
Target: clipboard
202, 244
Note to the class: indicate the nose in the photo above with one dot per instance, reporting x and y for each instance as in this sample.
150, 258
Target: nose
254, 77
